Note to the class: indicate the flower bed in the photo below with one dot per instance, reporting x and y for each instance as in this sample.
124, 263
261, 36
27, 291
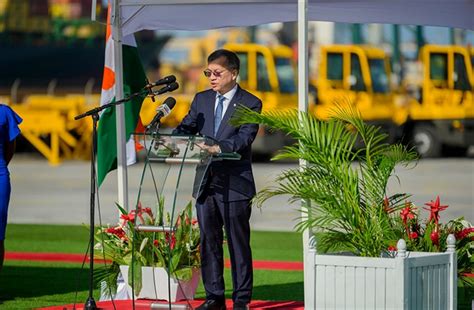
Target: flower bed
177, 252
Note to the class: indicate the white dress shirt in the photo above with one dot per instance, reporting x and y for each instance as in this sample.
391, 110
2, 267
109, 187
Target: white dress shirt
228, 97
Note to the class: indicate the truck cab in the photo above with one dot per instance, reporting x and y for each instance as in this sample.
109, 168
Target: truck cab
442, 118
268, 73
357, 75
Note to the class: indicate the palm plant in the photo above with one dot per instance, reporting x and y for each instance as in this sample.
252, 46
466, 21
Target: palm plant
345, 190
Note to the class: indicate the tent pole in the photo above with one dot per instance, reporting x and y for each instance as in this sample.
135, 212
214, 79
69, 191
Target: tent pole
303, 107
122, 181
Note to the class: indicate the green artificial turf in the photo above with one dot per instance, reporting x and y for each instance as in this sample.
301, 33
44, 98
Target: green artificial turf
26, 285
285, 246
46, 238
277, 246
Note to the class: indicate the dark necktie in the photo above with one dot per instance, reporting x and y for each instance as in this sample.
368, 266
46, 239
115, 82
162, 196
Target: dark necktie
218, 114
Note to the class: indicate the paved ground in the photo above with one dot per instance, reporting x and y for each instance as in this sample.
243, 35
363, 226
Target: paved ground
60, 195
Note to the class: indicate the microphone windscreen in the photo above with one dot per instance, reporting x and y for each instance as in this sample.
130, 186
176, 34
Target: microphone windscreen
173, 86
170, 79
170, 102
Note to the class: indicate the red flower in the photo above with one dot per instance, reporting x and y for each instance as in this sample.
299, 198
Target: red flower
413, 235
392, 248
155, 242
110, 230
141, 210
117, 231
464, 233
128, 217
435, 237
194, 222
148, 211
173, 240
407, 213
434, 209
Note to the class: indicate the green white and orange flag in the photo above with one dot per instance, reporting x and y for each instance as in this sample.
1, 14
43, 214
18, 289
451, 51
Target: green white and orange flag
134, 79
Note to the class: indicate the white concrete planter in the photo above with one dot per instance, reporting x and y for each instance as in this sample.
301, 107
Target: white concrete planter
412, 280
155, 284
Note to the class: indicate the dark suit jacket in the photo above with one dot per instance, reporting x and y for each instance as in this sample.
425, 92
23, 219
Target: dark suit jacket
233, 179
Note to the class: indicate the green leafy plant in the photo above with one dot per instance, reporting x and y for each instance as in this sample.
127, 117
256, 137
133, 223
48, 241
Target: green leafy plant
346, 206
431, 235
178, 251
344, 188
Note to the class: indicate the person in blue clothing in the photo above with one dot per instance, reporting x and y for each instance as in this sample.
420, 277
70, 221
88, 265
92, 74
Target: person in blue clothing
223, 189
9, 130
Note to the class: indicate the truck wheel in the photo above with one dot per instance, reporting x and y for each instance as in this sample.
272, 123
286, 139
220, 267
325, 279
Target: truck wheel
425, 141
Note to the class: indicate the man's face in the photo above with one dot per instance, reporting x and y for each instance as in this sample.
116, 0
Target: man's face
220, 78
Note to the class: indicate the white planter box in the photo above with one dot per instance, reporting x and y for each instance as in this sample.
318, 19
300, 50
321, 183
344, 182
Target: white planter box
155, 284
412, 280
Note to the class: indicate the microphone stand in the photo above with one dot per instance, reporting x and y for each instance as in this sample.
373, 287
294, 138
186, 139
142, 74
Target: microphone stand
94, 113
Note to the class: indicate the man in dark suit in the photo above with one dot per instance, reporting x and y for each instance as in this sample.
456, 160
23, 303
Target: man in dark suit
224, 189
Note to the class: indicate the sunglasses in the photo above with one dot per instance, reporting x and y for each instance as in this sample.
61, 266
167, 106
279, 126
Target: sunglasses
217, 74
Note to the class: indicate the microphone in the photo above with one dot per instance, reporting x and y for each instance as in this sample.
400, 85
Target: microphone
166, 80
162, 111
167, 88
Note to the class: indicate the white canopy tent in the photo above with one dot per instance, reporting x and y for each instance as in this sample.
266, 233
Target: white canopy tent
207, 14
130, 16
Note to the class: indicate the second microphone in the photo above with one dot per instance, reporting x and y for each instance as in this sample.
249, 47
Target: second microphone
162, 111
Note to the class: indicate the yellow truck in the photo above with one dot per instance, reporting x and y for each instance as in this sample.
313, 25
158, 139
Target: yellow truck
439, 117
436, 114
356, 75
269, 74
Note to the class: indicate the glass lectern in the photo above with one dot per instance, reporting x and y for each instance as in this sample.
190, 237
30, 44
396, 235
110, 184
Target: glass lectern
167, 158
182, 149
164, 235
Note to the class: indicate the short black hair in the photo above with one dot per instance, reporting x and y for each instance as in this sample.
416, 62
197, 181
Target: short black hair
231, 60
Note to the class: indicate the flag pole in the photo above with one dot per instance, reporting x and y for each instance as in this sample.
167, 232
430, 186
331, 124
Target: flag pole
122, 176
303, 107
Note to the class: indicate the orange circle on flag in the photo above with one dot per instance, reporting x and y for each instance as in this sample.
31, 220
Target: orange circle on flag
109, 79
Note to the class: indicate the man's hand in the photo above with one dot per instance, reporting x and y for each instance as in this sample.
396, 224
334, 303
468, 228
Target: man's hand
211, 149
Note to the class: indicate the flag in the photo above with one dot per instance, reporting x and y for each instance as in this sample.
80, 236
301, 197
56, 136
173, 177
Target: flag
134, 79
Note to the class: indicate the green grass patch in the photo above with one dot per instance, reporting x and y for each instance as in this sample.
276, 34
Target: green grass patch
46, 238
74, 239
27, 285
282, 246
